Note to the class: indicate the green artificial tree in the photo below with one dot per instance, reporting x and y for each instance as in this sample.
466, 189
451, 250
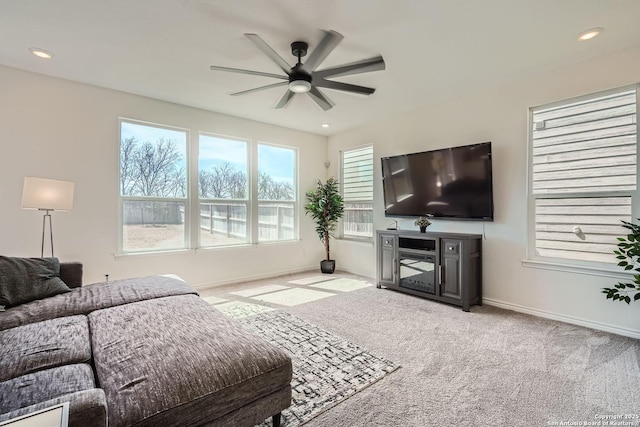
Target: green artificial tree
628, 253
326, 207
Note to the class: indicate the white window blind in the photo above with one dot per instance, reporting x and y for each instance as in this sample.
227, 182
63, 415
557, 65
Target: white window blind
584, 173
357, 186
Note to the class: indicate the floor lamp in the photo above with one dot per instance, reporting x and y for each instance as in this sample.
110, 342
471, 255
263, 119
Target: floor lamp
47, 195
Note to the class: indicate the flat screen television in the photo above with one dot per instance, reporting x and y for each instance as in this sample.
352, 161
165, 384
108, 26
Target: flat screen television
453, 183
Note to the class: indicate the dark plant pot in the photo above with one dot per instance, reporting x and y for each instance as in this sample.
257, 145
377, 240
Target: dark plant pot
328, 267
423, 229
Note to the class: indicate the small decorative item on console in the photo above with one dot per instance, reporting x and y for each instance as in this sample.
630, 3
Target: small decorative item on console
423, 222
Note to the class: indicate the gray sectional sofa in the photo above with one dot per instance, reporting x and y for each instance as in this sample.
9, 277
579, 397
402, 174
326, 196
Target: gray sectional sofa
138, 352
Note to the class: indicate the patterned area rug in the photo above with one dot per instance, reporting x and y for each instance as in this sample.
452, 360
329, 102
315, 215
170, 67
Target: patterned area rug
326, 369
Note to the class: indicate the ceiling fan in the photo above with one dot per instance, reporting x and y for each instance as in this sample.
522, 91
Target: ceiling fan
304, 77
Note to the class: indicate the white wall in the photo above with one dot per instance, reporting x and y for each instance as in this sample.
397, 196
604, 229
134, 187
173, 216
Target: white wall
500, 114
59, 129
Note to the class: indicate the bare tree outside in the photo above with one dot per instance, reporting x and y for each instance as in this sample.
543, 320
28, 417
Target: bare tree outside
127, 181
151, 169
154, 169
223, 181
270, 189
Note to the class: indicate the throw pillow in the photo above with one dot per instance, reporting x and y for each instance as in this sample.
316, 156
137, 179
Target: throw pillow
24, 280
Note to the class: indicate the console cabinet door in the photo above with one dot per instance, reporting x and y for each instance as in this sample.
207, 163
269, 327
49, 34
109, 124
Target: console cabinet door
451, 280
387, 249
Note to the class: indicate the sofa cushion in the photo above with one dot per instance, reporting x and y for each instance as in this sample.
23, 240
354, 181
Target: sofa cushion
27, 279
71, 273
34, 388
86, 299
178, 361
44, 345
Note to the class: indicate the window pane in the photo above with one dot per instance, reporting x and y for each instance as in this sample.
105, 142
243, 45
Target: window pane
587, 146
223, 224
583, 175
152, 225
152, 161
357, 185
222, 168
153, 167
598, 226
276, 193
223, 189
358, 219
276, 221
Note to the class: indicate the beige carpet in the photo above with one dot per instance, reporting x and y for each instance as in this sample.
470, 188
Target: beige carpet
490, 367
326, 368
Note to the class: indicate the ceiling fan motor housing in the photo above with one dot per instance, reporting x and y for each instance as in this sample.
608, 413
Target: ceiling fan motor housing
297, 73
299, 49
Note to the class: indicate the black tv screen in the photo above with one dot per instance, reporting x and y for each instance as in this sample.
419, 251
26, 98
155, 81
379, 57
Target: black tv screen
451, 183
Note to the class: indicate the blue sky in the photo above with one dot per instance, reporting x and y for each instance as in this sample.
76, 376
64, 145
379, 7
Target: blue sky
144, 134
214, 150
276, 161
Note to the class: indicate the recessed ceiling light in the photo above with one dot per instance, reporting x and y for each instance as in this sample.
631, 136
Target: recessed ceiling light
590, 33
325, 125
41, 53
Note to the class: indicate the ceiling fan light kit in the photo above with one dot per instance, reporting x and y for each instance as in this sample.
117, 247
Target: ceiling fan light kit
304, 77
299, 86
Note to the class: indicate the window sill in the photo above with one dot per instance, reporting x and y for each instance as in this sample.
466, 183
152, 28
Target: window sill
154, 253
276, 242
365, 241
613, 272
202, 249
222, 247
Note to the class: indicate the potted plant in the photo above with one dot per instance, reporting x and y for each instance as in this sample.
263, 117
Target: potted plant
628, 254
326, 207
423, 222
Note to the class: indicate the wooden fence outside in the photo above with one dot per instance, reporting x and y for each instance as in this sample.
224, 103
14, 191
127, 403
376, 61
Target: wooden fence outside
275, 220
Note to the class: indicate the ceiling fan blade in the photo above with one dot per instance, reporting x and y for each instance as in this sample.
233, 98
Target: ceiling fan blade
241, 71
324, 48
320, 99
257, 89
344, 86
285, 99
364, 66
255, 73
267, 50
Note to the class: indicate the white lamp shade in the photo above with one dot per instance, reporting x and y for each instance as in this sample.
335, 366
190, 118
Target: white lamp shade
47, 194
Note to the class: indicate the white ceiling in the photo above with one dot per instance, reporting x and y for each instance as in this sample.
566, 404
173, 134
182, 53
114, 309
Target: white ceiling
433, 49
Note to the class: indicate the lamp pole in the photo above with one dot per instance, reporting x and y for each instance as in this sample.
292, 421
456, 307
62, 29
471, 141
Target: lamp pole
47, 214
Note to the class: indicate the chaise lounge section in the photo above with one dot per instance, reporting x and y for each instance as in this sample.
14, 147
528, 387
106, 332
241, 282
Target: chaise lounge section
143, 352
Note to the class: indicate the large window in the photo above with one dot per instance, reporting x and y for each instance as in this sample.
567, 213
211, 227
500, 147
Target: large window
583, 175
276, 193
238, 192
223, 190
153, 187
357, 189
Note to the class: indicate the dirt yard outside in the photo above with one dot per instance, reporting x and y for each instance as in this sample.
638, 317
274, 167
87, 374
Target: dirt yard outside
170, 236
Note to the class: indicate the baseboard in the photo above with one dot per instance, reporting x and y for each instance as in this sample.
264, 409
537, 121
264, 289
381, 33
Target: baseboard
563, 318
243, 279
357, 273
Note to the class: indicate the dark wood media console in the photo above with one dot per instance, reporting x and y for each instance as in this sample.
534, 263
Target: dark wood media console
444, 267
